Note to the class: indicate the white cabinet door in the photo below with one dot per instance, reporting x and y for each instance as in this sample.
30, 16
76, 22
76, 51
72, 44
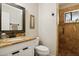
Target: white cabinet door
7, 54
16, 53
27, 52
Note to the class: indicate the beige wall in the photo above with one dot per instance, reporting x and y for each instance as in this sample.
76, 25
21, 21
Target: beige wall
48, 26
31, 8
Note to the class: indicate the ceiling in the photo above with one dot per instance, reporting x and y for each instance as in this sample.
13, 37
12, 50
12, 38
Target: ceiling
63, 5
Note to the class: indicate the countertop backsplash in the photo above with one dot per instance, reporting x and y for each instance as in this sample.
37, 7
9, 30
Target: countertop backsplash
10, 35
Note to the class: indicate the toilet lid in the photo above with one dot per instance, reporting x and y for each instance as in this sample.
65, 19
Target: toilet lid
42, 48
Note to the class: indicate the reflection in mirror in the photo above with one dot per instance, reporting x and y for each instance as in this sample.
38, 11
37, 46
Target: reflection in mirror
11, 18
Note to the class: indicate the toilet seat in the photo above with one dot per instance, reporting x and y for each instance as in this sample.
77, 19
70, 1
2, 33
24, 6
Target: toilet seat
42, 48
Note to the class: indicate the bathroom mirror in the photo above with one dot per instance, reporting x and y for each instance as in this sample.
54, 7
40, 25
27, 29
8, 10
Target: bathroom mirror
12, 17
71, 16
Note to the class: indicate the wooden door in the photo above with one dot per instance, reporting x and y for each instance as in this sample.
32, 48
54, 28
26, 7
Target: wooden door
69, 39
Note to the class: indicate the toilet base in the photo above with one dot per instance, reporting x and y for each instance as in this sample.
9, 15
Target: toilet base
42, 55
37, 54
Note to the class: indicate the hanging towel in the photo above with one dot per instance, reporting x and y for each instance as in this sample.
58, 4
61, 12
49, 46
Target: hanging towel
14, 27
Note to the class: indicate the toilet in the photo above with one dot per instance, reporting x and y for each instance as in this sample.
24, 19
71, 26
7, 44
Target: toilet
42, 50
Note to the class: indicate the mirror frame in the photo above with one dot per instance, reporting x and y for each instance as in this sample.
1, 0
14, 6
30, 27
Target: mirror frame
23, 18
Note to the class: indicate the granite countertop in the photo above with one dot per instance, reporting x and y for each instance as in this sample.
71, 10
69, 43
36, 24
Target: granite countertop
11, 41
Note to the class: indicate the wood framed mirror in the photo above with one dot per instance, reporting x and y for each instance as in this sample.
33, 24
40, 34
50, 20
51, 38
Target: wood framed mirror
12, 18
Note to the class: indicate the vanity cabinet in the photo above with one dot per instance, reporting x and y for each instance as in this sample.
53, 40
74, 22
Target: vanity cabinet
26, 52
20, 49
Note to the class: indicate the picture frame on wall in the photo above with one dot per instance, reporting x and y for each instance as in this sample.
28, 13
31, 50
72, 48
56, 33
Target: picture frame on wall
32, 22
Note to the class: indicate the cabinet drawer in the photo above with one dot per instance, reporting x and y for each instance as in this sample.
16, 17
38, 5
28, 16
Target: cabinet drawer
27, 52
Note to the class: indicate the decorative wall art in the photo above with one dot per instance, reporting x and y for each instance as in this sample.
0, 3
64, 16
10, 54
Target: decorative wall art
32, 21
